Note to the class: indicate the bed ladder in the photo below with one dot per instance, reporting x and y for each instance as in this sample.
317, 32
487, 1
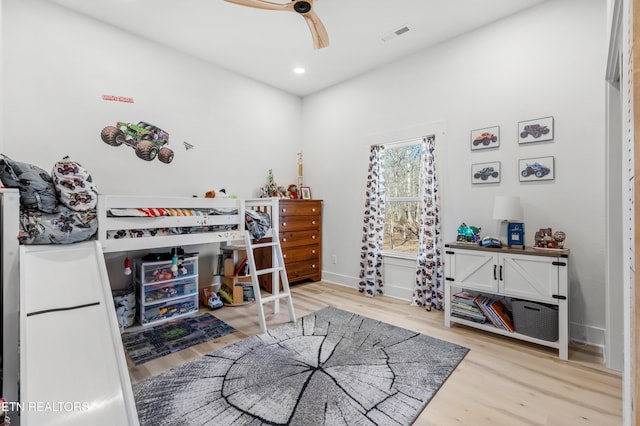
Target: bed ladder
277, 267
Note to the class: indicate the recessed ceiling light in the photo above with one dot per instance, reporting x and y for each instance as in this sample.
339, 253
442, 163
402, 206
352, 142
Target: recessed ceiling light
299, 70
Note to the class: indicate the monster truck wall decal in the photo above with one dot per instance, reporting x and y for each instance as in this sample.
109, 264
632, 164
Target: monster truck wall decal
147, 140
538, 130
535, 169
485, 138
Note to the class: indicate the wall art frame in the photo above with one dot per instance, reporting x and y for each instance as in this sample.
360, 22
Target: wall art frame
537, 130
537, 169
488, 137
486, 172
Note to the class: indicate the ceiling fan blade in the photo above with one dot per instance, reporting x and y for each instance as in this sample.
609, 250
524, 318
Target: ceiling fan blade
318, 31
262, 4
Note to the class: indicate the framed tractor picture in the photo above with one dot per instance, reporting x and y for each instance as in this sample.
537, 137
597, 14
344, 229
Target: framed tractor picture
485, 138
535, 169
538, 130
485, 172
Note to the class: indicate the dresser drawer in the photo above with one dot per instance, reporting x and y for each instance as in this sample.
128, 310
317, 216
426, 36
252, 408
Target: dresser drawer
301, 208
299, 238
299, 223
295, 254
305, 269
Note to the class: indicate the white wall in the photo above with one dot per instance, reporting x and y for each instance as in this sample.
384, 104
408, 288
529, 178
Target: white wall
547, 61
58, 64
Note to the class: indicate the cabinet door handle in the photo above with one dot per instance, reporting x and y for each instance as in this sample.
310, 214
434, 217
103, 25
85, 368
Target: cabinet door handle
494, 272
500, 272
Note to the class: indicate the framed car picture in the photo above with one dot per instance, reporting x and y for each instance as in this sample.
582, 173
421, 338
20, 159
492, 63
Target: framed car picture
536, 169
538, 130
488, 137
485, 172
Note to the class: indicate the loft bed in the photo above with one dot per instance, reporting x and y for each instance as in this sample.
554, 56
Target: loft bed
126, 223
137, 223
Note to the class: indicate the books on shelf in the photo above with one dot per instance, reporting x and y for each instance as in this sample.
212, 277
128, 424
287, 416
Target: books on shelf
463, 306
496, 312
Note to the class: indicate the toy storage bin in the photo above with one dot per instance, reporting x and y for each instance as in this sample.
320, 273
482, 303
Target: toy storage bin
125, 304
163, 295
169, 309
537, 320
170, 289
152, 272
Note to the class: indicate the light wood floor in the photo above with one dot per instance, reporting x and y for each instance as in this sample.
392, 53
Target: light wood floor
501, 381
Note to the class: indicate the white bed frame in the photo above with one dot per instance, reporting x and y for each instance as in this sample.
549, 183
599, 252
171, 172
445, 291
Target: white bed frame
107, 223
9, 206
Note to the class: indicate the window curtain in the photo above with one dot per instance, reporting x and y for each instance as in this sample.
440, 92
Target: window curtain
429, 288
373, 227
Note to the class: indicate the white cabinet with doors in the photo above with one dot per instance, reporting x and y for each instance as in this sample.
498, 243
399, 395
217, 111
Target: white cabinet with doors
528, 274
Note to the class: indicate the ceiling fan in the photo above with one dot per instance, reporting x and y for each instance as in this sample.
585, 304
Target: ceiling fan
304, 8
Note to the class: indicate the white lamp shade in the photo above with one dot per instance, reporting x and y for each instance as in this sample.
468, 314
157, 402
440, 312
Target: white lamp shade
507, 208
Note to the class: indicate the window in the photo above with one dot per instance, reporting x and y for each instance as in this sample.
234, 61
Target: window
402, 197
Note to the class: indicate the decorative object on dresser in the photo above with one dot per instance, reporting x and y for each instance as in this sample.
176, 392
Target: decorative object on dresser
507, 209
306, 193
525, 279
547, 239
468, 234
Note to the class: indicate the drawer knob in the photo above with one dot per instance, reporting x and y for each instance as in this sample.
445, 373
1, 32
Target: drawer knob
313, 237
313, 266
313, 252
313, 222
284, 256
284, 240
284, 223
284, 210
313, 209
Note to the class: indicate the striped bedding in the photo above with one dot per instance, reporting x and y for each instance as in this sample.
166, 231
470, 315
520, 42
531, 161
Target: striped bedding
161, 211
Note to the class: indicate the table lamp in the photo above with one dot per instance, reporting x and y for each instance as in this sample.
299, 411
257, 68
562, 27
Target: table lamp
508, 209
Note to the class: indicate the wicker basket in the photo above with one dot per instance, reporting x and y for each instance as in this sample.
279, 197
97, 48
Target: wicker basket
535, 319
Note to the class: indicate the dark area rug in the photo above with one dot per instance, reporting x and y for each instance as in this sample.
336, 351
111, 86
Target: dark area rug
330, 368
173, 336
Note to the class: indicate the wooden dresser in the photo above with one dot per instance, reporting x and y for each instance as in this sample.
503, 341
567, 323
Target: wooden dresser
300, 226
301, 238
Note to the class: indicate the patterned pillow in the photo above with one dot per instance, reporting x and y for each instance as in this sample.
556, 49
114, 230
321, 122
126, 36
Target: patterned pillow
37, 191
74, 185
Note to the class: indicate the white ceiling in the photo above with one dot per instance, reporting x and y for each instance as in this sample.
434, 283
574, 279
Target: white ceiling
266, 45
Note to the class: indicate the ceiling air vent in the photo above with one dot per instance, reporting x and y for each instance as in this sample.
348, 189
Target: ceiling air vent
395, 33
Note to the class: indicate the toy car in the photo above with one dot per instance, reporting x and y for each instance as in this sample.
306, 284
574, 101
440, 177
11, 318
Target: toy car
485, 139
536, 169
148, 140
214, 302
535, 130
485, 173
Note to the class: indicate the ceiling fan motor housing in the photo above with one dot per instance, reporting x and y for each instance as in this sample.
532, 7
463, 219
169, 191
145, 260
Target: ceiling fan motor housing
302, 6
